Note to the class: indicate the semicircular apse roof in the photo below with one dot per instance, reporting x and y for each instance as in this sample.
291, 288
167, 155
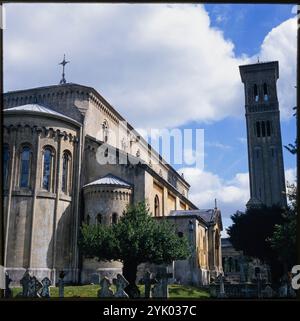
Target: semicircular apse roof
109, 179
36, 108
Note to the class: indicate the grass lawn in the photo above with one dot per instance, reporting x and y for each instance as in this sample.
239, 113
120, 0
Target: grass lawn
90, 291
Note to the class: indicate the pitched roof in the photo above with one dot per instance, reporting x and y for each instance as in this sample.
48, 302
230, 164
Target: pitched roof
109, 179
36, 108
206, 215
225, 242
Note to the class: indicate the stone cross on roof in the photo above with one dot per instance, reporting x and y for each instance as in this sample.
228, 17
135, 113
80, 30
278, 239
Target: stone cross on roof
63, 63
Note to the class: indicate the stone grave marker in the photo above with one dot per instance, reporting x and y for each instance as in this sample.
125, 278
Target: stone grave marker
95, 278
158, 290
45, 291
25, 283
105, 291
267, 292
7, 292
121, 283
148, 281
61, 284
221, 293
34, 286
163, 275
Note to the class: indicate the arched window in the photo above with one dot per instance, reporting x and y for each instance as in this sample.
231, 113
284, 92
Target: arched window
156, 206
6, 156
25, 166
266, 95
230, 264
114, 218
268, 128
105, 131
99, 219
236, 265
255, 92
263, 129
258, 129
272, 152
66, 172
47, 168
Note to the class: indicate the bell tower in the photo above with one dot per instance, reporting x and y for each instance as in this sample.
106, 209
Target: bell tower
266, 170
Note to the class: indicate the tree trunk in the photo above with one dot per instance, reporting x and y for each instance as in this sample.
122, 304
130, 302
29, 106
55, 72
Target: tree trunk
129, 273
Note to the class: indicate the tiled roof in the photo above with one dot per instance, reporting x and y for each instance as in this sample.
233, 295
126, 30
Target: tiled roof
36, 108
109, 180
206, 215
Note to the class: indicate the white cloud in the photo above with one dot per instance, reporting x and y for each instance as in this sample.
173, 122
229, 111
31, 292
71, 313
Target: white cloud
158, 64
242, 140
281, 44
291, 175
232, 195
206, 186
218, 145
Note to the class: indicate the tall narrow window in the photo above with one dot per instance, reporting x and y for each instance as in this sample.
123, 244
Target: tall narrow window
114, 218
47, 168
105, 131
266, 95
258, 129
255, 92
268, 129
99, 219
66, 172
5, 165
263, 129
156, 206
25, 166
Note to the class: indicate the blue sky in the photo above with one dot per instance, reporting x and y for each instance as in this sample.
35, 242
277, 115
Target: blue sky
160, 65
247, 25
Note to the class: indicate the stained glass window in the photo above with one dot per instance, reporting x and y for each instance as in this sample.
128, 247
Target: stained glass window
47, 168
25, 166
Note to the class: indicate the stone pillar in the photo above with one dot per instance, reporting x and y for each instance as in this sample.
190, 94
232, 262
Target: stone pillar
10, 185
177, 203
36, 181
56, 191
75, 206
165, 202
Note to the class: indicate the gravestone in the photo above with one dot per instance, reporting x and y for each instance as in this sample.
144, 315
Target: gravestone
291, 292
95, 278
45, 291
120, 283
25, 283
221, 293
283, 291
158, 290
147, 280
7, 292
34, 286
268, 292
61, 284
105, 291
163, 275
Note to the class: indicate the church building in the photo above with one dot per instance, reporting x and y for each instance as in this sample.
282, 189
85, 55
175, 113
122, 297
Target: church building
70, 157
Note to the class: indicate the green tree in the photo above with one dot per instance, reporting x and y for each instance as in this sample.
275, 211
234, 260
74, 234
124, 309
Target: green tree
137, 238
283, 240
251, 231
